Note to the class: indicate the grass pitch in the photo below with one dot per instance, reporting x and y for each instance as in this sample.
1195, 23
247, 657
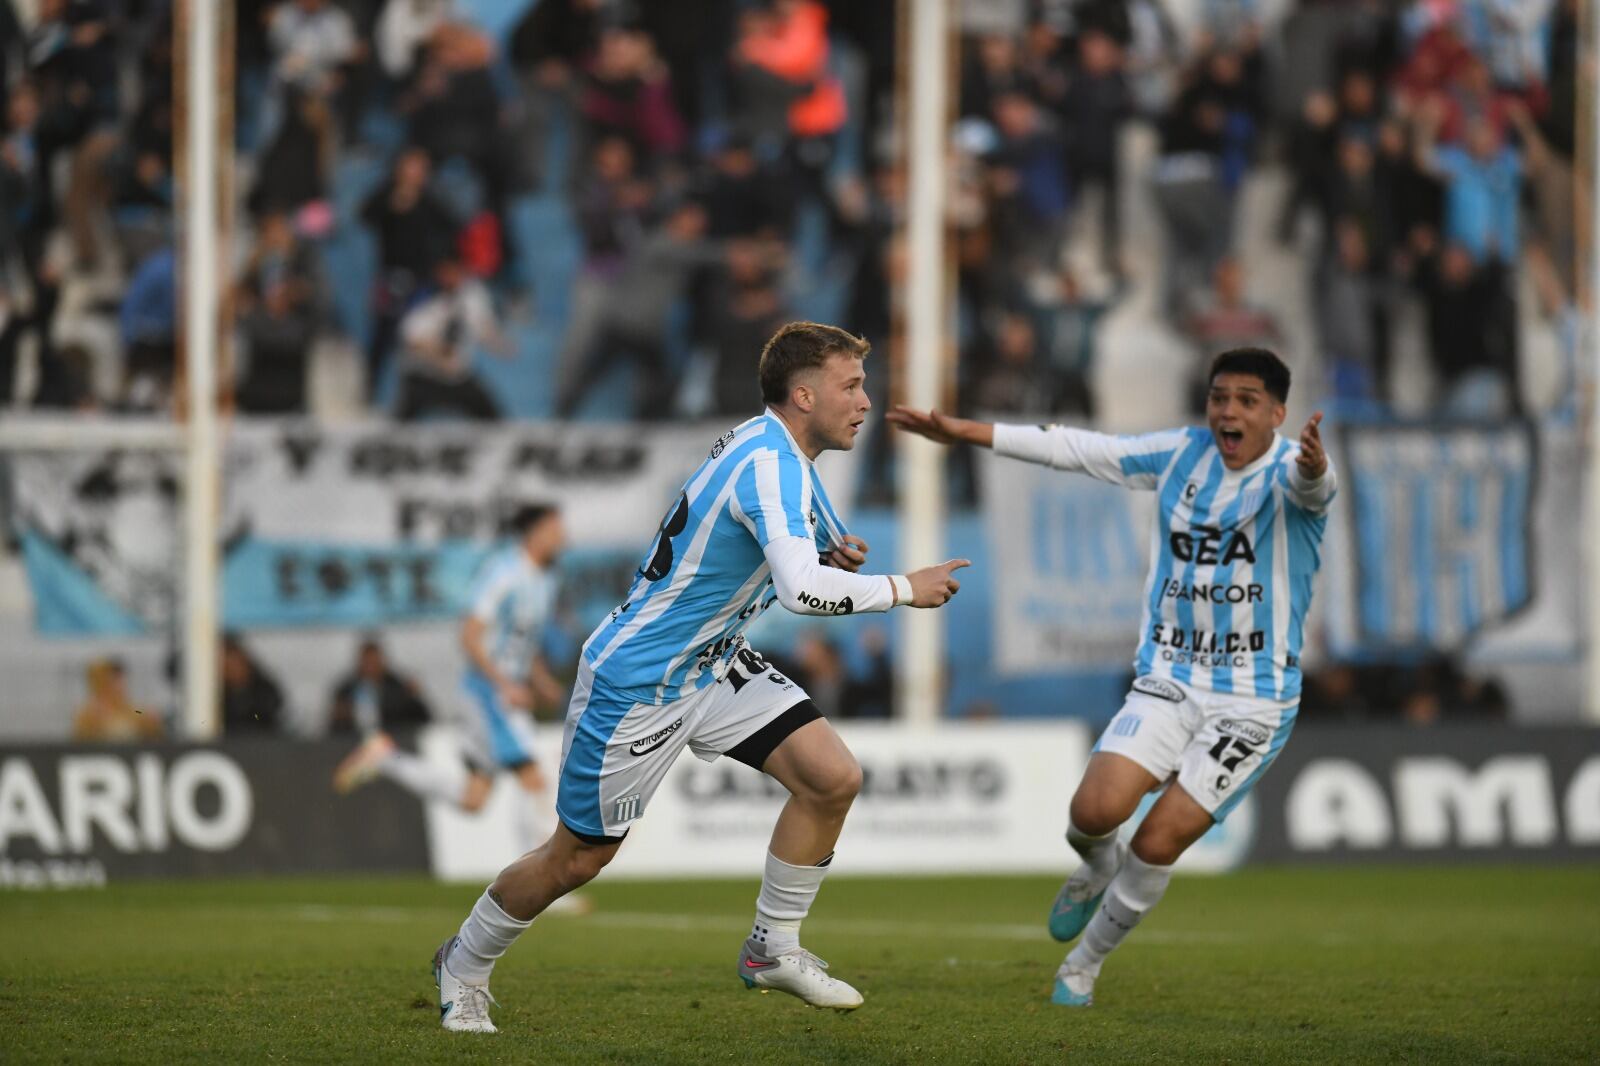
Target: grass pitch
1341, 965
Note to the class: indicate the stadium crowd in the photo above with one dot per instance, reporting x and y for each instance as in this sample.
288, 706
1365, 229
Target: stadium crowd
721, 163
486, 221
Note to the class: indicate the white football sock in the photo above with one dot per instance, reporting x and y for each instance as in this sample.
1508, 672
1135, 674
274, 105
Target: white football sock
1099, 852
485, 935
785, 900
1137, 887
427, 779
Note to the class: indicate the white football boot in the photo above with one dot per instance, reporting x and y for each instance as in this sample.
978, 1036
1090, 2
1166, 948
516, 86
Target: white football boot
463, 1008
798, 973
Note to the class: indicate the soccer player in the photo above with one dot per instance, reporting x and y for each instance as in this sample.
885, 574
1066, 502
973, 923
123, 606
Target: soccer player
506, 677
1217, 677
669, 669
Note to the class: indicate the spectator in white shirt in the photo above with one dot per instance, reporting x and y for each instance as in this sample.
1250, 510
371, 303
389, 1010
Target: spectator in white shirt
438, 336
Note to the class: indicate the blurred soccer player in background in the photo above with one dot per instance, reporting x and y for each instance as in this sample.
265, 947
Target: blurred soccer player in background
505, 679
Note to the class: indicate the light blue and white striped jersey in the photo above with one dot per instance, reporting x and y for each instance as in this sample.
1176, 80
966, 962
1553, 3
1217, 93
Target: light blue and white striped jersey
514, 598
1233, 552
705, 578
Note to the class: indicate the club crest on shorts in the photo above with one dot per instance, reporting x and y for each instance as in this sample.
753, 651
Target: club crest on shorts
1126, 725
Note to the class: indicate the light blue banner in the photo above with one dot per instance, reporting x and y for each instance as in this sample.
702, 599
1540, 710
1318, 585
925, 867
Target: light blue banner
1442, 520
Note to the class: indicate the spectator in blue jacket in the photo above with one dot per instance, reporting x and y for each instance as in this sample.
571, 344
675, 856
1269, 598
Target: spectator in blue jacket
149, 323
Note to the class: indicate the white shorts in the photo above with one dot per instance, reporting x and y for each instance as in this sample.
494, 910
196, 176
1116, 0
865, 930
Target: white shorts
494, 737
1217, 745
617, 750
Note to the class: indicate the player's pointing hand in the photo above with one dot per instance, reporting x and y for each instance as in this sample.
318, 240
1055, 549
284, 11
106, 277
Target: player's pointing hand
1312, 460
932, 586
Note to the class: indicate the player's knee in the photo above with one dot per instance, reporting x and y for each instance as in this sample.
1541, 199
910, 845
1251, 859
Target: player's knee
476, 794
1094, 814
837, 787
1158, 845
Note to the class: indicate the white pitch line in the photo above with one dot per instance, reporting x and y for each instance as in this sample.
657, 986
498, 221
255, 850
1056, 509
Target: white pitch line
715, 923
322, 912
689, 923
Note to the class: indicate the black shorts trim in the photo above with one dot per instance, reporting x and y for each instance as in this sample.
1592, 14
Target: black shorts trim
594, 839
754, 749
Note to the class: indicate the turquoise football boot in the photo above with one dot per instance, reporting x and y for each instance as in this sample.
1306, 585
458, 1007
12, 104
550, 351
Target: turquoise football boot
1075, 903
1074, 988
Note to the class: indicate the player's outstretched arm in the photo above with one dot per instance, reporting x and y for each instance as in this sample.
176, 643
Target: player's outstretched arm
1132, 461
805, 586
942, 428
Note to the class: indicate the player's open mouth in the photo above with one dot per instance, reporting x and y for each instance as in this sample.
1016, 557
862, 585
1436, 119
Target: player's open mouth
1229, 440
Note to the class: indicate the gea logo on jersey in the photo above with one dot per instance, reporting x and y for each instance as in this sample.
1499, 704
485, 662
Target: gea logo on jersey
1205, 545
844, 606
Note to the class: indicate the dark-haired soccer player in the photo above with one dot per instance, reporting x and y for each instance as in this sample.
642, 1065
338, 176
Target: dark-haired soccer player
512, 599
1217, 678
670, 669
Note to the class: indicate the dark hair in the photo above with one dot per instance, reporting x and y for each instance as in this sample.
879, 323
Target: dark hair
802, 346
1257, 362
527, 516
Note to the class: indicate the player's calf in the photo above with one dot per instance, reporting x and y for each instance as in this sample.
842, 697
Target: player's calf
547, 873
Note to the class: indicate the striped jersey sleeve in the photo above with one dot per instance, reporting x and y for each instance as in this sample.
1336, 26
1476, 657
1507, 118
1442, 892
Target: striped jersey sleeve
770, 498
513, 599
1134, 461
489, 591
